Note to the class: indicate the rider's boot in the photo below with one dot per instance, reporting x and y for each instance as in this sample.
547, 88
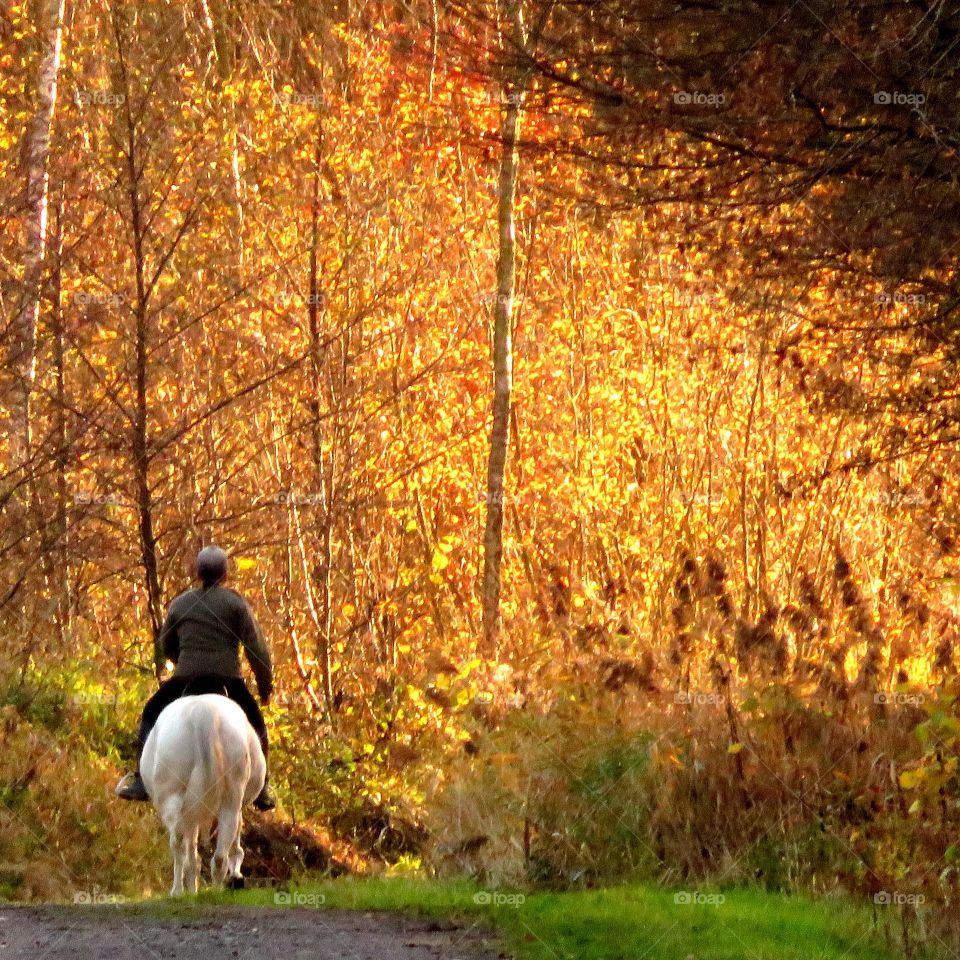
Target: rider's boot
265, 799
131, 787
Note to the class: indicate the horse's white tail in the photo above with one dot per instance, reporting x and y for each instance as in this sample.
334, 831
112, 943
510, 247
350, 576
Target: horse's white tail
200, 802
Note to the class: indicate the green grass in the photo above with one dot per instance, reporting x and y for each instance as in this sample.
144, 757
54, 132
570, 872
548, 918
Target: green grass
635, 922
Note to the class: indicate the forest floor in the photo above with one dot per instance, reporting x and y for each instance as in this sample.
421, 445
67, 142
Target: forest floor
212, 932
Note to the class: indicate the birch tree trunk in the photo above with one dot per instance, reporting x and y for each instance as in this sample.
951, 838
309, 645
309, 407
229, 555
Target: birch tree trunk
23, 349
513, 96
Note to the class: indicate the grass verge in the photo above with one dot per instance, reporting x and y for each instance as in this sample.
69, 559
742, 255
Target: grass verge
616, 923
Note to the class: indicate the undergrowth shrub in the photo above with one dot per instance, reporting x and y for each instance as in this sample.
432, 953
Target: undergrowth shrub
809, 747
598, 789
63, 835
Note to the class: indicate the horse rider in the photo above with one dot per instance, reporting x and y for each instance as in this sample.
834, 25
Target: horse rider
202, 634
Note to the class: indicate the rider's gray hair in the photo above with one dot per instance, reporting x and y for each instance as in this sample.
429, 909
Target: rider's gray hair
211, 565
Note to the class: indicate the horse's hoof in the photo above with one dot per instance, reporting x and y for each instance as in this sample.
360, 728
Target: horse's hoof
235, 883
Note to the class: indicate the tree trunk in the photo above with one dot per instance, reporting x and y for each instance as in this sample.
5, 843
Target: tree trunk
214, 21
513, 95
140, 443
60, 532
23, 342
325, 483
139, 437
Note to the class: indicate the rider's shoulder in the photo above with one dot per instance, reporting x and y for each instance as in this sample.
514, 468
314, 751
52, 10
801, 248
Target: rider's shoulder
234, 596
185, 598
220, 594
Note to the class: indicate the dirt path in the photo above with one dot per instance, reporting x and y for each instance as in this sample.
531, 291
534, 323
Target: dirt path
235, 933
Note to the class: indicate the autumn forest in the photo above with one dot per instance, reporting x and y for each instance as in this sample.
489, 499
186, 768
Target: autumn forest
573, 387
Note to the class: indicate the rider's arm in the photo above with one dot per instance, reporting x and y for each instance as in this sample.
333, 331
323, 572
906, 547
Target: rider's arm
258, 654
169, 641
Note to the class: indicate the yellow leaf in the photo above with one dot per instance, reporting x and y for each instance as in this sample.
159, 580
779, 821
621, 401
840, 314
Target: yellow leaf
447, 543
440, 560
348, 609
735, 748
246, 563
912, 778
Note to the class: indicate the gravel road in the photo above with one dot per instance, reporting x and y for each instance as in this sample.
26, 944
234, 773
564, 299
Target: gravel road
213, 932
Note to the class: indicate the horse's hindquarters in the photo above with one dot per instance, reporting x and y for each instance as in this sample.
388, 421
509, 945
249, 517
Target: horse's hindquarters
202, 762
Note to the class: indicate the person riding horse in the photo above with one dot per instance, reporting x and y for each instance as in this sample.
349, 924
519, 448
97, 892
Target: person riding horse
202, 634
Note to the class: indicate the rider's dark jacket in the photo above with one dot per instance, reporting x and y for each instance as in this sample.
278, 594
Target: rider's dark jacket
204, 631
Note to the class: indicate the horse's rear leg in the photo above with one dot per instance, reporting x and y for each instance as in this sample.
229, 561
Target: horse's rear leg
192, 873
178, 848
236, 851
225, 861
173, 820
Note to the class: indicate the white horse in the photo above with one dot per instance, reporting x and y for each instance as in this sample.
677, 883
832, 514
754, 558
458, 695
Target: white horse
201, 763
